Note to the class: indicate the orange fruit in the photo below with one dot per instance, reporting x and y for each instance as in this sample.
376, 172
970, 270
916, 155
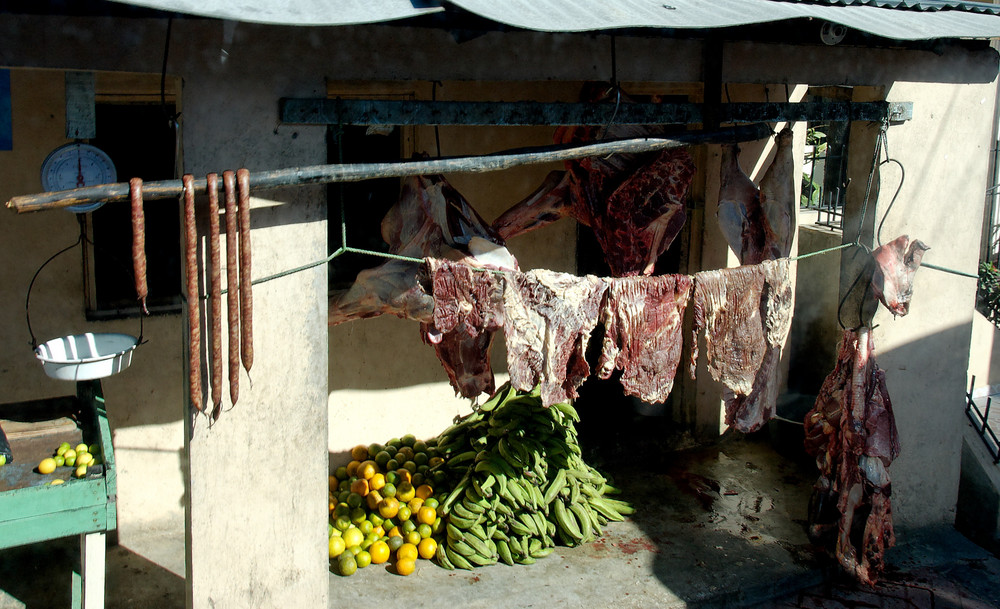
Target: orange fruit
395, 532
353, 537
380, 552
424, 491
407, 551
376, 482
337, 546
405, 475
413, 537
405, 491
415, 504
359, 452
334, 483
406, 566
404, 513
352, 467
360, 486
426, 515
427, 548
367, 469
388, 507
372, 499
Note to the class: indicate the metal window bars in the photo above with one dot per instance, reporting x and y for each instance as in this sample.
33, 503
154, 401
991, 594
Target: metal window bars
981, 423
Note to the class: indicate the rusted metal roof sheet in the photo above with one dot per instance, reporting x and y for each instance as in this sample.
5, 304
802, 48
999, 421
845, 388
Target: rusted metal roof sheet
897, 19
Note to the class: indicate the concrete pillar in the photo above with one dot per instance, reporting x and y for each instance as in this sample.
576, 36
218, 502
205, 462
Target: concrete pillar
257, 478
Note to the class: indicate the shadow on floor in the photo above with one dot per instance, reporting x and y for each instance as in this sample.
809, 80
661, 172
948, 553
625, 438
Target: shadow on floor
39, 576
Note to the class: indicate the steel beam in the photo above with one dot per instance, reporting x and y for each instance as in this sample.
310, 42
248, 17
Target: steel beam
529, 113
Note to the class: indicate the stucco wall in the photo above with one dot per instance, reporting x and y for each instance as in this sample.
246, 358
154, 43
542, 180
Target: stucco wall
945, 150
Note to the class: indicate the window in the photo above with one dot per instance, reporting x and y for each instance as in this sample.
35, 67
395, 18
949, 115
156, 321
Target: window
824, 172
140, 139
365, 203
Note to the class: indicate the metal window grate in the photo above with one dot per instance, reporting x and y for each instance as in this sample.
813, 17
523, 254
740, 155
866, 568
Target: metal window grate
824, 179
980, 420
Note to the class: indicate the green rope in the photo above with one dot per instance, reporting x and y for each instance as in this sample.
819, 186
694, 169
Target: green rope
947, 270
823, 251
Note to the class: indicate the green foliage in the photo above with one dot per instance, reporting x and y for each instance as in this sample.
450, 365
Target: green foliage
988, 292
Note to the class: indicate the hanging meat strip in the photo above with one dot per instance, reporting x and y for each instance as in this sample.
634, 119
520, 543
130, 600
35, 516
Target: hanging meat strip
232, 284
633, 202
758, 224
851, 431
745, 313
895, 264
549, 317
215, 293
191, 293
643, 318
468, 309
246, 287
139, 242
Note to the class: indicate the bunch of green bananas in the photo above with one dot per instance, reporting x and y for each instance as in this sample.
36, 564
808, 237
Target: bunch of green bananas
522, 484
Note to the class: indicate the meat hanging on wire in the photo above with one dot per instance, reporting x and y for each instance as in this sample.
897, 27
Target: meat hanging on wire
215, 293
191, 272
246, 288
232, 285
139, 242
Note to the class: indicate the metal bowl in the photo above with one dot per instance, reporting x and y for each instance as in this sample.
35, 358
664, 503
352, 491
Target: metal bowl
82, 357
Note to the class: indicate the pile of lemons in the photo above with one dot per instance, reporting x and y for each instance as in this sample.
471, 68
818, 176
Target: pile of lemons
79, 458
383, 507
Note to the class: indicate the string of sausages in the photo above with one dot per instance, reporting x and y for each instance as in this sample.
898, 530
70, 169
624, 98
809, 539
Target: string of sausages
239, 293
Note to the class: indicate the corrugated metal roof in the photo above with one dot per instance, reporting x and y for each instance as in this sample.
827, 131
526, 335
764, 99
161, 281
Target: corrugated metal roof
897, 19
590, 15
920, 5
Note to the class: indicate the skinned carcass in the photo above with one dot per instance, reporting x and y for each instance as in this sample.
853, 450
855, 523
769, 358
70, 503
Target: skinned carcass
895, 264
633, 202
758, 224
431, 220
851, 431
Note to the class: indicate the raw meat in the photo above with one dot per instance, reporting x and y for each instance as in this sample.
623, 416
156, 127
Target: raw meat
549, 317
633, 202
745, 313
895, 264
852, 434
777, 195
468, 309
643, 318
431, 220
758, 224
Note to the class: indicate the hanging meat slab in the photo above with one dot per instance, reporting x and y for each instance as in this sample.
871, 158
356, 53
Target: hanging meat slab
777, 195
745, 314
643, 319
895, 264
468, 309
633, 202
851, 431
549, 318
431, 220
758, 224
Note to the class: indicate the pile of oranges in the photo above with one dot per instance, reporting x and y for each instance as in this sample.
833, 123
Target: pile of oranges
383, 507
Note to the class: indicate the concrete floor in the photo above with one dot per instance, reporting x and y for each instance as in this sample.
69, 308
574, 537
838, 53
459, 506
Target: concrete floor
715, 527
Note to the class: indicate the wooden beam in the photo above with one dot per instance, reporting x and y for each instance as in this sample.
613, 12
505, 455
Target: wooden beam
324, 174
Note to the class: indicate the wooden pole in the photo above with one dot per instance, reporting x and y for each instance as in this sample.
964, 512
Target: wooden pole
324, 174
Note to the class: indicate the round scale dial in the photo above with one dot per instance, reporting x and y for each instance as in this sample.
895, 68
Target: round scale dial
75, 166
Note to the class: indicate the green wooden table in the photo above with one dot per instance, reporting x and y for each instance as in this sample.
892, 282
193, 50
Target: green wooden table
33, 510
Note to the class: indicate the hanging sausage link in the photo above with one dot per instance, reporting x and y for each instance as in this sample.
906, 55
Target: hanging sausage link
232, 285
215, 294
246, 290
138, 242
193, 297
